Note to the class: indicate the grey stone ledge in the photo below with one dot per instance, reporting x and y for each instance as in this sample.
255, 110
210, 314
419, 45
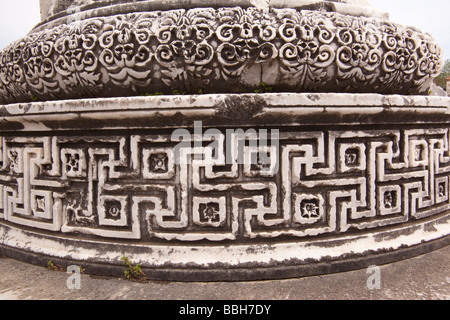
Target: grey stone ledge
220, 109
339, 101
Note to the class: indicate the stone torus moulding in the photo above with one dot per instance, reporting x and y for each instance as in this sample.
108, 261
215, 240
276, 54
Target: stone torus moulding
302, 139
220, 49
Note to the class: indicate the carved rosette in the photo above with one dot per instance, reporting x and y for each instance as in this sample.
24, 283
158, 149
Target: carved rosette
222, 50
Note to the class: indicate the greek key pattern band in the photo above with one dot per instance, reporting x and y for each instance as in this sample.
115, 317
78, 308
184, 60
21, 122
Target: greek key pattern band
151, 188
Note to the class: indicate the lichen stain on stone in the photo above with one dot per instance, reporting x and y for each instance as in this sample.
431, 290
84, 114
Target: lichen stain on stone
313, 97
430, 228
241, 108
259, 249
331, 244
383, 237
12, 125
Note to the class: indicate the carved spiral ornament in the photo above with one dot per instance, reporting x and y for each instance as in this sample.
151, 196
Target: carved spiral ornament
224, 50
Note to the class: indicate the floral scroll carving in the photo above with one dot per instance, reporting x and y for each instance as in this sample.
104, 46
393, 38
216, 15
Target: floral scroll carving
220, 50
183, 41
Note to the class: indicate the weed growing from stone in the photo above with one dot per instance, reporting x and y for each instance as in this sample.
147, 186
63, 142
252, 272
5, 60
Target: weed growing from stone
56, 267
263, 88
134, 273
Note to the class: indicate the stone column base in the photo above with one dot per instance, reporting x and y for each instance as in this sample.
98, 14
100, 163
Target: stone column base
225, 187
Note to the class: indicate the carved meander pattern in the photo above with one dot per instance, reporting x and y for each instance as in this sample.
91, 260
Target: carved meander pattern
311, 184
210, 50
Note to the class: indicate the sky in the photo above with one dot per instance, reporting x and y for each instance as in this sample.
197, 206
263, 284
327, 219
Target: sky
18, 17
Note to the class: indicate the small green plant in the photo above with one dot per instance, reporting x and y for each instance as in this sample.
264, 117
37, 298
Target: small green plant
263, 88
178, 92
55, 267
134, 273
157, 93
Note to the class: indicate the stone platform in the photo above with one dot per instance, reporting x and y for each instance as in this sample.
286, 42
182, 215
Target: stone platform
225, 187
422, 278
